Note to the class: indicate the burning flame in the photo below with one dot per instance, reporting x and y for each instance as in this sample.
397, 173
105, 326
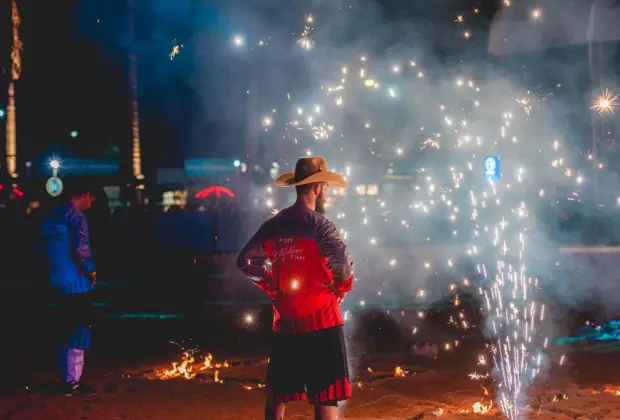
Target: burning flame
183, 369
189, 368
613, 390
400, 372
207, 362
480, 408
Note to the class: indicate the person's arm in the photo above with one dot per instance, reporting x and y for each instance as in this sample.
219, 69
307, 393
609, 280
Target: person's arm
339, 260
252, 262
81, 241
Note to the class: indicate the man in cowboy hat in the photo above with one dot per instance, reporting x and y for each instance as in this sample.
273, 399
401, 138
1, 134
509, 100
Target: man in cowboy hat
311, 272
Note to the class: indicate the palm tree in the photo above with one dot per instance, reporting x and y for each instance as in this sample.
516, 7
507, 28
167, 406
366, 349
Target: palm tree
16, 68
133, 85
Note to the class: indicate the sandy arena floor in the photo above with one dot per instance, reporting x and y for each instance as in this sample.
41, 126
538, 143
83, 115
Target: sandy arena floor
583, 388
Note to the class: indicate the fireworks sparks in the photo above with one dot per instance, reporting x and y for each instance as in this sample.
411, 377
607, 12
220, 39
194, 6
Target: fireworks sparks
304, 40
498, 212
537, 14
606, 103
176, 49
492, 219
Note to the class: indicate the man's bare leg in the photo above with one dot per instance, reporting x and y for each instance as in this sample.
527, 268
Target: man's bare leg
326, 412
274, 410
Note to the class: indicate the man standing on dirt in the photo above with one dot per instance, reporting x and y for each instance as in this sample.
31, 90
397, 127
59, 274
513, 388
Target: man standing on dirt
311, 272
72, 276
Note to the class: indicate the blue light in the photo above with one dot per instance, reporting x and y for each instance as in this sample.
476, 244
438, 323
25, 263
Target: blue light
237, 163
491, 169
54, 186
2, 113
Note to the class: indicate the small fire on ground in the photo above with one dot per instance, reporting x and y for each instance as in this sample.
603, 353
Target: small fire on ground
610, 389
189, 367
477, 408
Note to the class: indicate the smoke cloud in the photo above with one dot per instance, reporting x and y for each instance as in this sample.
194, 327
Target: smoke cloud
412, 101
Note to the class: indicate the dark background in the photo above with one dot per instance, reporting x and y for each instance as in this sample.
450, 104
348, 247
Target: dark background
75, 69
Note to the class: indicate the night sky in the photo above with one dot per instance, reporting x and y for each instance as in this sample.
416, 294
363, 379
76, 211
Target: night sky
75, 69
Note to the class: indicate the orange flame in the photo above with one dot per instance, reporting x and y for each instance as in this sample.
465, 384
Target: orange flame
185, 367
480, 408
400, 372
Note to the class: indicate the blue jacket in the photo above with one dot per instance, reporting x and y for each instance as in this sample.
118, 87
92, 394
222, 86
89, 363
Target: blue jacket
66, 246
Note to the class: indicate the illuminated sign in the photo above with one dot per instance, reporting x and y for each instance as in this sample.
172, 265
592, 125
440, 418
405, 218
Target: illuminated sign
338, 191
210, 167
174, 198
400, 170
372, 189
82, 166
217, 190
54, 186
393, 177
491, 169
15, 191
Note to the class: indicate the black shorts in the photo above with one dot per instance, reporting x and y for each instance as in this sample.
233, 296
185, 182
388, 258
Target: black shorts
310, 366
75, 315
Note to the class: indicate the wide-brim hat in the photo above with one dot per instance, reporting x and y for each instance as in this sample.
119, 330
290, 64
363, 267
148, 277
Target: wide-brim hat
309, 170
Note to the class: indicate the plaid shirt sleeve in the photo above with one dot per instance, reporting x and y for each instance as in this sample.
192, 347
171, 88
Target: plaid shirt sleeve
252, 262
339, 260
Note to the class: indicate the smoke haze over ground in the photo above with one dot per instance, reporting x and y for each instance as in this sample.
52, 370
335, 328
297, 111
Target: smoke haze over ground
408, 101
416, 57
373, 128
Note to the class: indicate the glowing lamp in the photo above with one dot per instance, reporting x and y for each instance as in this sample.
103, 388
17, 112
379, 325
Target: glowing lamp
54, 164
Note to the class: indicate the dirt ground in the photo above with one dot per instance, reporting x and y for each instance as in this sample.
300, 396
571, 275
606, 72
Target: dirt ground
130, 357
583, 388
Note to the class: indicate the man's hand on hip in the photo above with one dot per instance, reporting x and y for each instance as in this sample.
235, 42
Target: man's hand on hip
339, 294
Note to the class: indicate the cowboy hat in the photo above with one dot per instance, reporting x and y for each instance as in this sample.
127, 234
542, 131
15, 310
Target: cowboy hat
309, 170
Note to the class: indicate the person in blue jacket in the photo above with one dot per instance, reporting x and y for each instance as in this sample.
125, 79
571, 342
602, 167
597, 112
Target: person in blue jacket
72, 275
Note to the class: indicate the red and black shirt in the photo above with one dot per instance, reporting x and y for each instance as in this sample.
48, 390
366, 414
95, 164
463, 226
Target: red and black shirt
308, 261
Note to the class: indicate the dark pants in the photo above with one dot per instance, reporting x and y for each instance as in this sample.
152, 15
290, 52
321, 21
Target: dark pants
75, 315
